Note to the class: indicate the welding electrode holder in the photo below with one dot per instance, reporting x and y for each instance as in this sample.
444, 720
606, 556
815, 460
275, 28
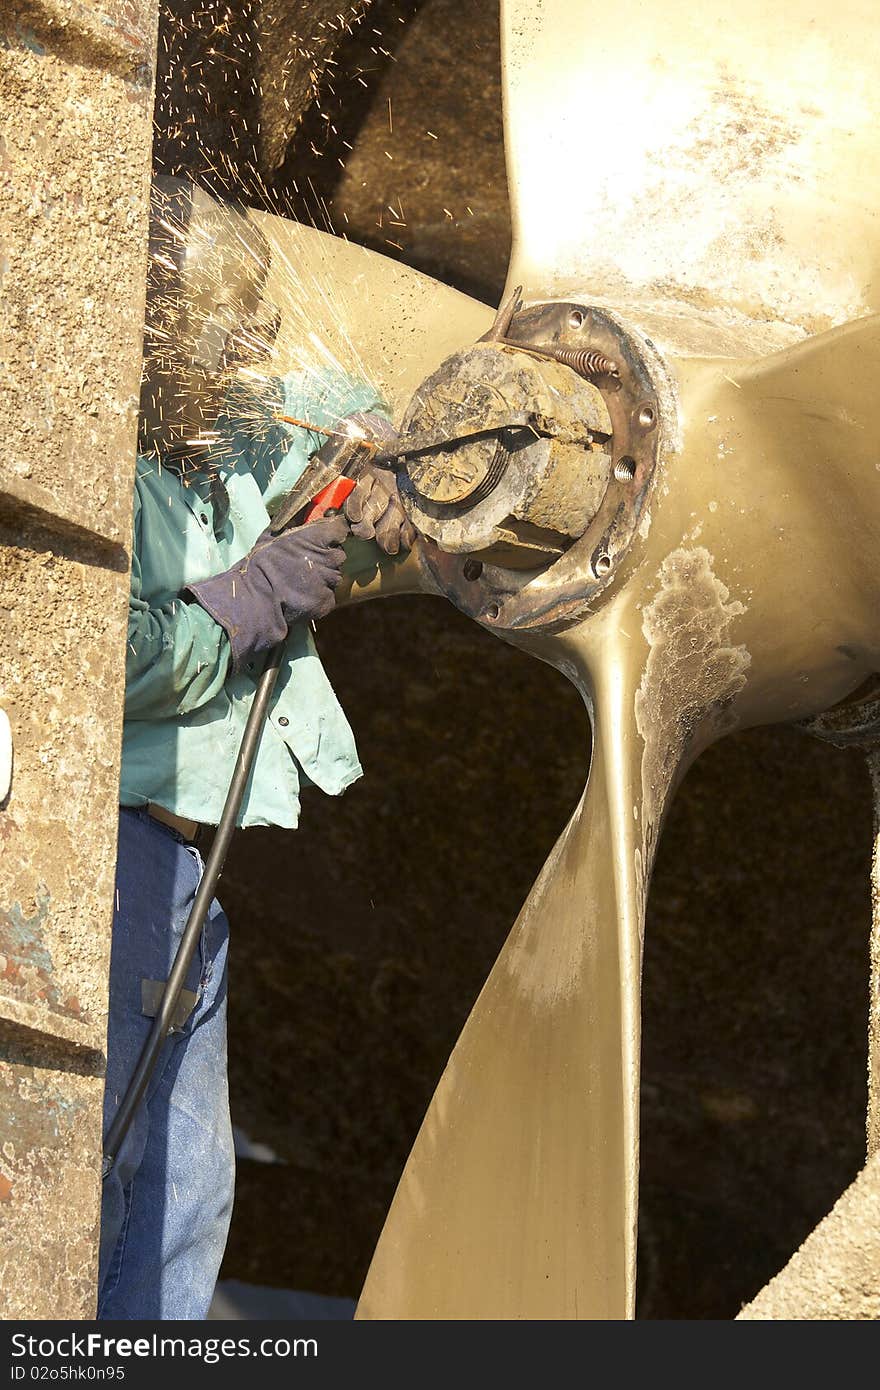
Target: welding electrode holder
328, 479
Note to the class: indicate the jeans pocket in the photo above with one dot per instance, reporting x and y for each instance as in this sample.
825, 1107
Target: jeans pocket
212, 948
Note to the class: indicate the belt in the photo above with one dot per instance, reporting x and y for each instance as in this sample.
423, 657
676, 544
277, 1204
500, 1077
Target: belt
189, 829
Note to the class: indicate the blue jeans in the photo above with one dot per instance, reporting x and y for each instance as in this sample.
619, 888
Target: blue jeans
168, 1199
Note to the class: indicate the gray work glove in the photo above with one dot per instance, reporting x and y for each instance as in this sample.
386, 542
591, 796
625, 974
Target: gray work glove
281, 581
376, 513
374, 507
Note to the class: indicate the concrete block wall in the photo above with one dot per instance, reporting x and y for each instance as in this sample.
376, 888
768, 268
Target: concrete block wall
76, 105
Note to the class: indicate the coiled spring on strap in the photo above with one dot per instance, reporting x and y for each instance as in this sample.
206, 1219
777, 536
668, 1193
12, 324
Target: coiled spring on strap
585, 362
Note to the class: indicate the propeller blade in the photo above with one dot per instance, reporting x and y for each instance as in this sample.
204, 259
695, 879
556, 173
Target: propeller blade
519, 1197
345, 306
702, 164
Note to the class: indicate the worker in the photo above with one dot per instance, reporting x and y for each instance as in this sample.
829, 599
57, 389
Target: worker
212, 591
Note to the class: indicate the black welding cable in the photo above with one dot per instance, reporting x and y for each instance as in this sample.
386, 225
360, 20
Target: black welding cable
199, 911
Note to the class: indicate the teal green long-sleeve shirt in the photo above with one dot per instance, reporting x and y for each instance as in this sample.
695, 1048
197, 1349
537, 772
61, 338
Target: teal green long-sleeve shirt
185, 710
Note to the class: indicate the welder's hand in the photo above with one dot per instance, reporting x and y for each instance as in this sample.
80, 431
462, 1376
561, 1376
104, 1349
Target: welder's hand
377, 428
376, 512
283, 580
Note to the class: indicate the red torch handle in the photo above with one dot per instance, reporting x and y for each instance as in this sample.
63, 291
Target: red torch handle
330, 499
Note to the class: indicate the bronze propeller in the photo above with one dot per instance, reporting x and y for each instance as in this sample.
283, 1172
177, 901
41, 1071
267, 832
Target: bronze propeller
689, 537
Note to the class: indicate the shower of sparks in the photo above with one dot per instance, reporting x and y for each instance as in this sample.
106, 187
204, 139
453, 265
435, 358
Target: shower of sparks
230, 310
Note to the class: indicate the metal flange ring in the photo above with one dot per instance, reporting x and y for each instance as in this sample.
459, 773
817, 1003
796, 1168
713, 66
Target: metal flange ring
559, 593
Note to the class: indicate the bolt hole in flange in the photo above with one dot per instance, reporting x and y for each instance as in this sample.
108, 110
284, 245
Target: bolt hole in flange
528, 465
601, 565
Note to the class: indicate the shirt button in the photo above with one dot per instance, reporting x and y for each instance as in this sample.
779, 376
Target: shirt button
203, 518
283, 721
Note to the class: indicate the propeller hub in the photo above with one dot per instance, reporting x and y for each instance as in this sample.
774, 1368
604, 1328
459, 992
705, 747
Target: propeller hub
527, 460
522, 461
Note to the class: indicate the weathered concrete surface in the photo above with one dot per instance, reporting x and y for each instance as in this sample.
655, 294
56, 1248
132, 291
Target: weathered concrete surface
206, 92
76, 87
236, 78
834, 1274
298, 62
425, 180
48, 1180
76, 102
